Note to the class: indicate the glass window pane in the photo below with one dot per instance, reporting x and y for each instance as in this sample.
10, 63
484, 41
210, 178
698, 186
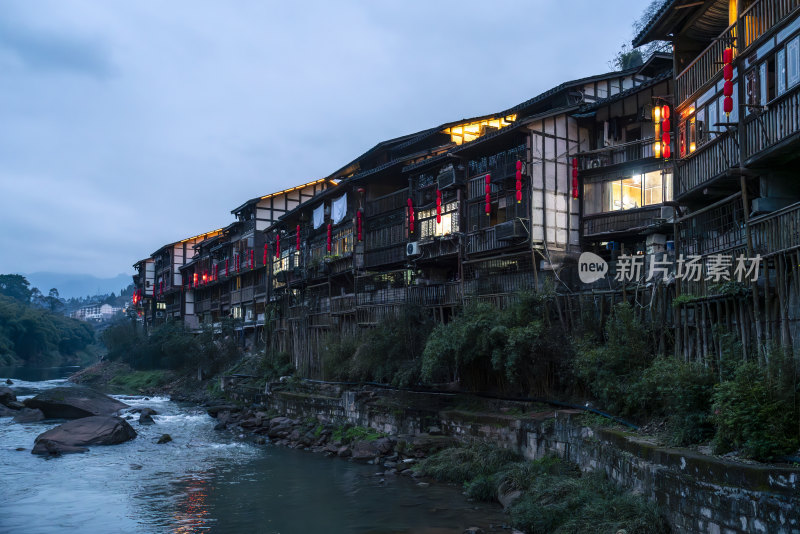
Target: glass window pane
667, 186
632, 192
652, 188
592, 198
793, 62
780, 71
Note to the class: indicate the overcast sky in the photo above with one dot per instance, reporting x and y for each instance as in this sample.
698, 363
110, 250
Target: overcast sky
126, 125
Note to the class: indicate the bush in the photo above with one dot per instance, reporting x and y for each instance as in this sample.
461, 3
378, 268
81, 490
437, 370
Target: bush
609, 370
679, 391
514, 349
756, 411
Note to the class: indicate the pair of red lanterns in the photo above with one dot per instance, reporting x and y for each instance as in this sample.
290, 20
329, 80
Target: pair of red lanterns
663, 127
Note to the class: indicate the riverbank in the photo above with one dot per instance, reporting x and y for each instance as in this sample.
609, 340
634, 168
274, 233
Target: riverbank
696, 492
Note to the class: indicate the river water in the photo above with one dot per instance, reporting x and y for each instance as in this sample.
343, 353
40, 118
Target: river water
208, 481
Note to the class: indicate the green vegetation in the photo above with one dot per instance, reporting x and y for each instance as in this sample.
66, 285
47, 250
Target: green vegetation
517, 349
348, 433
139, 381
171, 346
33, 336
554, 496
389, 353
743, 406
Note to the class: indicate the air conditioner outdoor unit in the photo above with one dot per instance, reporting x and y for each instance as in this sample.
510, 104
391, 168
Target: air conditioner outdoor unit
595, 163
412, 249
510, 230
449, 176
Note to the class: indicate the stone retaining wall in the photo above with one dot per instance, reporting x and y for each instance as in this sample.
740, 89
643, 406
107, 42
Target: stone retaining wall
698, 493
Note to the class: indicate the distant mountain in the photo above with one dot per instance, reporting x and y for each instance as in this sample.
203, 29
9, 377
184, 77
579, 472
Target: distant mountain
78, 285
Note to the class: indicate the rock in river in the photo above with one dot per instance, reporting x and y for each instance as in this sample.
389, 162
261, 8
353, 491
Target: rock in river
27, 415
7, 395
74, 403
75, 435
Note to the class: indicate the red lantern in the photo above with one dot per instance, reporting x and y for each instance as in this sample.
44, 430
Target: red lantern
194, 280
438, 207
727, 55
727, 105
238, 261
359, 226
298, 237
410, 216
518, 185
665, 138
666, 126
278, 246
488, 182
666, 151
329, 238
727, 88
205, 277
727, 72
252, 258
665, 112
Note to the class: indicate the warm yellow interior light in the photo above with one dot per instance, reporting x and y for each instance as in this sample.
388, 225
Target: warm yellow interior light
656, 114
464, 133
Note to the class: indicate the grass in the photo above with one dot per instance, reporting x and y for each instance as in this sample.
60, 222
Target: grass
556, 497
139, 381
349, 434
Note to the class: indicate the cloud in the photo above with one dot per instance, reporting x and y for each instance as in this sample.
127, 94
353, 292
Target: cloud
46, 50
127, 125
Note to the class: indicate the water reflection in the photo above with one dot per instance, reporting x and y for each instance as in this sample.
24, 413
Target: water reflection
206, 481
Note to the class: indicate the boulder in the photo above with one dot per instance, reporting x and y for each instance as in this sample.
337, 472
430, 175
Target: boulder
214, 410
343, 451
15, 405
507, 495
145, 411
8, 381
73, 436
28, 415
7, 412
385, 445
7, 395
145, 419
365, 450
74, 403
165, 438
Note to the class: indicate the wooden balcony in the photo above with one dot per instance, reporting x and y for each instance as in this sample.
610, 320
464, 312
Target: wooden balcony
633, 220
615, 155
387, 203
343, 304
436, 295
716, 229
385, 256
703, 70
707, 163
764, 15
776, 232
381, 296
483, 241
501, 165
767, 129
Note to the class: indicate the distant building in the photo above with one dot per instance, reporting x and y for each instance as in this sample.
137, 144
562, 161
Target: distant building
96, 312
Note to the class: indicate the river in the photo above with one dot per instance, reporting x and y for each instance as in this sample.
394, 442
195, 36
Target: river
208, 481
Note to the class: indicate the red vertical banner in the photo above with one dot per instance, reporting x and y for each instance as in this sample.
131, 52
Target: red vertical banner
518, 185
359, 225
278, 246
298, 237
266, 253
410, 216
488, 190
574, 177
328, 240
438, 207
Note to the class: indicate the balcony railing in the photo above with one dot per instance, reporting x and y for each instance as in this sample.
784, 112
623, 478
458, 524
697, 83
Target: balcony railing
613, 155
621, 221
708, 162
764, 15
715, 229
776, 232
500, 165
483, 240
385, 256
780, 121
438, 295
704, 68
386, 203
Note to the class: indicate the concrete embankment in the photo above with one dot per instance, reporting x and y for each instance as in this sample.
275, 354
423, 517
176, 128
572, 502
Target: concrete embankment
698, 493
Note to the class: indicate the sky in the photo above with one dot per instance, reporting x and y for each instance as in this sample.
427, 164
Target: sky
128, 125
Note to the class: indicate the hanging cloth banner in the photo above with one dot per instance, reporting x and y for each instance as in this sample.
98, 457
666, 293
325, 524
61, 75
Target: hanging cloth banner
319, 216
339, 209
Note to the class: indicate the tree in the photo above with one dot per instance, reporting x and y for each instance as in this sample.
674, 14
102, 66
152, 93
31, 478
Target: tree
629, 57
53, 302
15, 286
38, 298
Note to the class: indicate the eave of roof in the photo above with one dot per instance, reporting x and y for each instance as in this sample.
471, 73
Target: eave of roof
592, 106
648, 33
256, 200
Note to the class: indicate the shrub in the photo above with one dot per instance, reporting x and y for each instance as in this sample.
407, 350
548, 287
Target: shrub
755, 412
609, 370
